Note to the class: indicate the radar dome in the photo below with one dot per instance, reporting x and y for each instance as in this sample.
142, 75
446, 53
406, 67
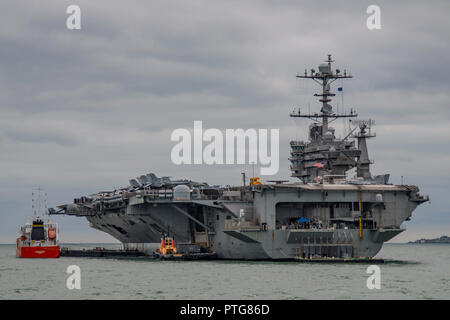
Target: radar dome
328, 135
181, 192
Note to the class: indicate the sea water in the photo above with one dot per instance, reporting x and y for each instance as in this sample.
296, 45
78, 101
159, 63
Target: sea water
411, 271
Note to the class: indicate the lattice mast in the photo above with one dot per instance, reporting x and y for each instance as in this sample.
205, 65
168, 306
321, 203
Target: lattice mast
324, 78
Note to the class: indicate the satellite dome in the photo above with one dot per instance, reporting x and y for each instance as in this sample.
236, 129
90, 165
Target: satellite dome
181, 192
328, 135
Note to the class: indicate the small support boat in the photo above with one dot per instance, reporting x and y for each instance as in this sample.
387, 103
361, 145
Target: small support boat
38, 239
167, 248
168, 251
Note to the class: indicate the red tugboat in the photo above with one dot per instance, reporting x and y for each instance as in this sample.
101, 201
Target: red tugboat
38, 240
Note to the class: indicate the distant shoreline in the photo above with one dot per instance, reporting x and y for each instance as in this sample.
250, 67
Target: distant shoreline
442, 239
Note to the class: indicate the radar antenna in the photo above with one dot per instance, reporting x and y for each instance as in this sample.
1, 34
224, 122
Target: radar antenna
324, 77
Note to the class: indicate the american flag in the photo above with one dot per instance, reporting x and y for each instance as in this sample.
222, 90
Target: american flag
318, 165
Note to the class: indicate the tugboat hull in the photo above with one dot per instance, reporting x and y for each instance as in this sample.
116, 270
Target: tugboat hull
38, 252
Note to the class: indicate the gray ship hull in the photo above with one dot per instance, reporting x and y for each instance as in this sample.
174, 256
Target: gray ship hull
256, 226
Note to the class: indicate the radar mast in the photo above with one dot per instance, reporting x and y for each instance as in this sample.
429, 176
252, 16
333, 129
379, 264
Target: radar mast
324, 77
324, 157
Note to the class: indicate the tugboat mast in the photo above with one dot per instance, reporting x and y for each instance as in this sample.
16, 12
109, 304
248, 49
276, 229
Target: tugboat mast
38, 213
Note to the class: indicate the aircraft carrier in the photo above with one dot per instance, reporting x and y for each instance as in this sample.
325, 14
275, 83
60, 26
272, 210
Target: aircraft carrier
326, 214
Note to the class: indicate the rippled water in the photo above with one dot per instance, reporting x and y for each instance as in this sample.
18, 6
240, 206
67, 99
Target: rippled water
411, 272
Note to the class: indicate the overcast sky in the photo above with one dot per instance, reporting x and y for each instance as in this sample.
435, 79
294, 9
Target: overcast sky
86, 110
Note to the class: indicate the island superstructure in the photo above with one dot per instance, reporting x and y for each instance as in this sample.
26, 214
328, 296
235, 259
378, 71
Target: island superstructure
325, 214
